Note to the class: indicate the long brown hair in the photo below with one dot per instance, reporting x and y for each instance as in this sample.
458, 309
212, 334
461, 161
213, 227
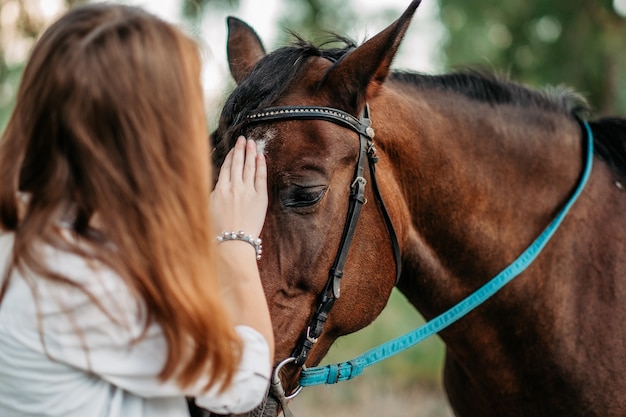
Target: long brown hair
109, 120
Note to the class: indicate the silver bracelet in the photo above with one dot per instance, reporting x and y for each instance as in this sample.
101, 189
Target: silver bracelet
241, 235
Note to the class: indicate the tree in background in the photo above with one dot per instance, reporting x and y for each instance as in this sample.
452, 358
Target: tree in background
21, 21
194, 10
579, 43
315, 20
575, 42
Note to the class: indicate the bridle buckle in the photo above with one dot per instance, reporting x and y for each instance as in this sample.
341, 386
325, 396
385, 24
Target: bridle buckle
309, 337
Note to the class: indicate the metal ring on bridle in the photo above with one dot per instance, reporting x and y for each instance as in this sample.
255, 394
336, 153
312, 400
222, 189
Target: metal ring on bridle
276, 378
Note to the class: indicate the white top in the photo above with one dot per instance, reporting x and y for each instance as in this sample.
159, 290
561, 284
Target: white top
113, 377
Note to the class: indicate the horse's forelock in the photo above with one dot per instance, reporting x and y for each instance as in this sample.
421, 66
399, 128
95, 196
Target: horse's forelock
267, 83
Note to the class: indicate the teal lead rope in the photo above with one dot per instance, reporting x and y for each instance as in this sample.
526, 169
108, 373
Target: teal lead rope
331, 374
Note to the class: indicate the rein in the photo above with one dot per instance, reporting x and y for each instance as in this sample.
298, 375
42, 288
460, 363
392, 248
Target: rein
334, 373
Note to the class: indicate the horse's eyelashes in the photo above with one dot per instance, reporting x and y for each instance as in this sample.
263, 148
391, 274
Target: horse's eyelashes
299, 198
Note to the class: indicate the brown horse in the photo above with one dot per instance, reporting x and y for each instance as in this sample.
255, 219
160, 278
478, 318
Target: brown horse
471, 168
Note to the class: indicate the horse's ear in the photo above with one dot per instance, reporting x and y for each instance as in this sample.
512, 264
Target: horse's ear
360, 74
244, 48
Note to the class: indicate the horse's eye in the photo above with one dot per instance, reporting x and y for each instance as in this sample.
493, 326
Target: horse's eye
302, 197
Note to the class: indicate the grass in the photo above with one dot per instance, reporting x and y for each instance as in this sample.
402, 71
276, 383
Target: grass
407, 384
421, 363
370, 398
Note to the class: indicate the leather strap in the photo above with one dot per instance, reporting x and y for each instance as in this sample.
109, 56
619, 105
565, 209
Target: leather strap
367, 151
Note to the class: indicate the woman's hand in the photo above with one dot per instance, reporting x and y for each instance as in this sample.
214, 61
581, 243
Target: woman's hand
239, 201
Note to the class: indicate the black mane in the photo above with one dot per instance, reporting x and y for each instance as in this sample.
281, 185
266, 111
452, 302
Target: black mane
274, 74
267, 83
494, 89
609, 133
610, 142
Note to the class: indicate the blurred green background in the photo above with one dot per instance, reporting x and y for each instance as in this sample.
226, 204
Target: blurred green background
578, 43
407, 384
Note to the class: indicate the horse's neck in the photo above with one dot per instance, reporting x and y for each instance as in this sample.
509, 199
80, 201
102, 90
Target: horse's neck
480, 184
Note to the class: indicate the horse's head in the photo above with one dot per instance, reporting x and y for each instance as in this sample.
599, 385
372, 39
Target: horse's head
312, 162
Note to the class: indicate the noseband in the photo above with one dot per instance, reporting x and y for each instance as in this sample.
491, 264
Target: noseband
367, 151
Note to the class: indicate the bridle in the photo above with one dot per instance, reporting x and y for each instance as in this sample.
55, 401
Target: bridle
333, 373
367, 151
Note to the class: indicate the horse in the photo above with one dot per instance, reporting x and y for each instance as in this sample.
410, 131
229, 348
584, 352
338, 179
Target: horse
465, 170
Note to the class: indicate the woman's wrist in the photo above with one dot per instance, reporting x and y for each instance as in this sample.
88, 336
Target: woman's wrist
241, 236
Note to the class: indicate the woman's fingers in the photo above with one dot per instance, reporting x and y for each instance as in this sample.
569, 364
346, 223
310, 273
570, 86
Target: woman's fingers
260, 180
238, 160
241, 163
239, 201
224, 175
249, 170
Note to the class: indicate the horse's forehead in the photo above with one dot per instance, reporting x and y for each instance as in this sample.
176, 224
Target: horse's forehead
277, 141
302, 146
262, 136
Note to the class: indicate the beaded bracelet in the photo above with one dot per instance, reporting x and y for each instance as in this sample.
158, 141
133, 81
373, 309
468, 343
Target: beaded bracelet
241, 235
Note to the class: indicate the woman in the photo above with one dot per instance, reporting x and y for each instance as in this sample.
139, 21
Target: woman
115, 297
